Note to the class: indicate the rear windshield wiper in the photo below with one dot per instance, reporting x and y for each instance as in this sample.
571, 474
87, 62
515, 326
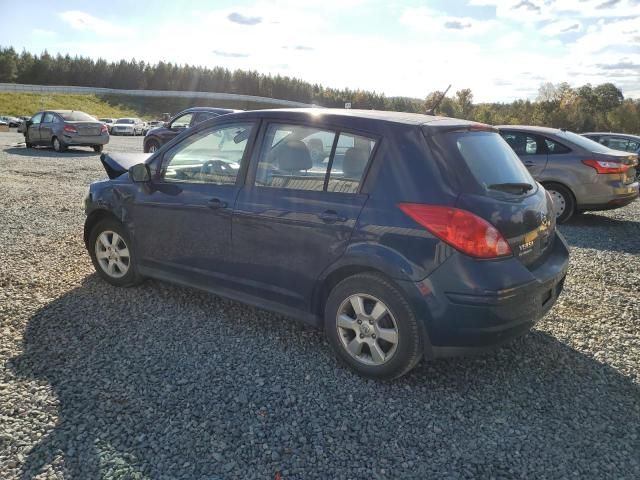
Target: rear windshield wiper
511, 187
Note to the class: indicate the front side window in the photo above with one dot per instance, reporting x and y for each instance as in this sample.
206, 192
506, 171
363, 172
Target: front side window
202, 116
617, 143
211, 156
183, 121
36, 119
287, 160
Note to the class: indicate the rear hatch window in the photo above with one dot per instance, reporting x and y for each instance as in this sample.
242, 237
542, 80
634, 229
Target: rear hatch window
496, 186
491, 160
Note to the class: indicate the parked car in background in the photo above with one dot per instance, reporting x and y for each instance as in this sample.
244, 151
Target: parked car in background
188, 118
109, 122
617, 141
13, 122
64, 128
580, 174
128, 126
153, 124
421, 236
23, 123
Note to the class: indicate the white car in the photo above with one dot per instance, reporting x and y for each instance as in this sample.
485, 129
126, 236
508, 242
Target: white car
128, 126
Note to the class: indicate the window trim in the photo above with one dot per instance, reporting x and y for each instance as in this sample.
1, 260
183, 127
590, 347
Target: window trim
250, 180
160, 161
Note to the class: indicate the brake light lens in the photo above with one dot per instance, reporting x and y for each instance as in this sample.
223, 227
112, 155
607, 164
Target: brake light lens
104, 129
461, 229
607, 167
70, 129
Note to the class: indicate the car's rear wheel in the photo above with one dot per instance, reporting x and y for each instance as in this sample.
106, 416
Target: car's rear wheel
58, 146
97, 148
152, 146
372, 328
564, 205
112, 254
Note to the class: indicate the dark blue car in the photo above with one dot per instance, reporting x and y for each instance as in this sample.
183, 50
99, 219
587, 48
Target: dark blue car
402, 235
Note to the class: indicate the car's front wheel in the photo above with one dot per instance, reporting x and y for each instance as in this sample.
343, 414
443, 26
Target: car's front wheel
372, 328
152, 146
112, 254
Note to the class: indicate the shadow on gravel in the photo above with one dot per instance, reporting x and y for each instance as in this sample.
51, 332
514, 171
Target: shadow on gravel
50, 152
170, 383
603, 233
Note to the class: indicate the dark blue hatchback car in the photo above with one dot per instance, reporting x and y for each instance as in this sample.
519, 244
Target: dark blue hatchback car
402, 235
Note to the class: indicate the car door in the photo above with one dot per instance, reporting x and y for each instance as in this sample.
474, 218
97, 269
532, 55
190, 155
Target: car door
530, 148
46, 128
32, 133
294, 217
182, 219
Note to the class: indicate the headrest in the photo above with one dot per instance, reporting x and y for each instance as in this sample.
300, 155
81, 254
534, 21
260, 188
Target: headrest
293, 155
355, 160
316, 144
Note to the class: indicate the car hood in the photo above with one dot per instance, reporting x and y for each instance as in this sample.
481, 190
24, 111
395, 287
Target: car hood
115, 164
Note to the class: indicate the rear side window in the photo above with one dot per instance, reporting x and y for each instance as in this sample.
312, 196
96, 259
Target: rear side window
299, 157
555, 148
489, 158
48, 118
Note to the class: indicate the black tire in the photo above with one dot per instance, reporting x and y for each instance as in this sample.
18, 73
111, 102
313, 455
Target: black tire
409, 347
98, 148
151, 146
58, 145
28, 144
565, 196
131, 277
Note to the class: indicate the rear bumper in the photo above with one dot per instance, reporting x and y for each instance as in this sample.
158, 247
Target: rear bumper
615, 201
470, 305
86, 141
605, 196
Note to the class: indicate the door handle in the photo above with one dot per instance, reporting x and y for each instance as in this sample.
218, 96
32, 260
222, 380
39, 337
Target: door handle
331, 216
216, 203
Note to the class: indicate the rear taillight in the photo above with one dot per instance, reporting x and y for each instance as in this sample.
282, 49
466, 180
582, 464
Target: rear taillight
104, 129
602, 166
459, 228
70, 129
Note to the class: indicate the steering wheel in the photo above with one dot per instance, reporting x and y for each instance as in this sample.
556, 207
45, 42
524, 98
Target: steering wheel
215, 166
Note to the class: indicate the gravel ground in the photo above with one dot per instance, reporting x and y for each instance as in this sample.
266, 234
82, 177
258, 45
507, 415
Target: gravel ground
160, 381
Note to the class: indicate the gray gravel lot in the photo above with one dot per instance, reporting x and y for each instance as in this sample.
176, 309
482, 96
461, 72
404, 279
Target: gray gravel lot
160, 381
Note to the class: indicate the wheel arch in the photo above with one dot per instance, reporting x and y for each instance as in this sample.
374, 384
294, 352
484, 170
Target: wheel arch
562, 184
94, 218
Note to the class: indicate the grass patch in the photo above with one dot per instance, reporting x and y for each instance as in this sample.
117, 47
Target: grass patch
148, 108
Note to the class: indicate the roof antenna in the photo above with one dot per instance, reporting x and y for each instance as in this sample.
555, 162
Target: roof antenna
432, 110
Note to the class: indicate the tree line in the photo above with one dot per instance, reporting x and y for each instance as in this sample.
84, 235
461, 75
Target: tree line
601, 107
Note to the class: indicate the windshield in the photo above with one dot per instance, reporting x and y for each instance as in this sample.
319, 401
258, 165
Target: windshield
584, 142
125, 120
489, 158
77, 117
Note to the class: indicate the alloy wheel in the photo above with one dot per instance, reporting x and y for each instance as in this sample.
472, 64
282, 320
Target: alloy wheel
112, 254
367, 329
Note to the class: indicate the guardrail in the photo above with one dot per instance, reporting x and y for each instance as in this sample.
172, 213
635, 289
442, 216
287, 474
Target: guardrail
18, 87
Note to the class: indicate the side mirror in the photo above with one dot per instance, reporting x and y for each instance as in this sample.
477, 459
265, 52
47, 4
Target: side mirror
140, 173
29, 123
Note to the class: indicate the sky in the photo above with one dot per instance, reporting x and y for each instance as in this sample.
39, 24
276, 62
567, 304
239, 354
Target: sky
501, 49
